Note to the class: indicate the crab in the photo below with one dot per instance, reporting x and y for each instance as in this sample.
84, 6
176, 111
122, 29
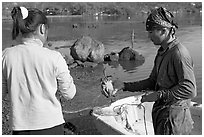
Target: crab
107, 86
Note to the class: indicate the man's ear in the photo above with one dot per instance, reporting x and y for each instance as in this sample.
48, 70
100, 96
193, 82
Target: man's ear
163, 31
42, 29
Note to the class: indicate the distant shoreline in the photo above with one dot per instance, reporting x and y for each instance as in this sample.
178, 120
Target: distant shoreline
57, 16
48, 16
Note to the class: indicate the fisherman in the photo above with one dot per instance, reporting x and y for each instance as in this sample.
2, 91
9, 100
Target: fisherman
31, 75
171, 84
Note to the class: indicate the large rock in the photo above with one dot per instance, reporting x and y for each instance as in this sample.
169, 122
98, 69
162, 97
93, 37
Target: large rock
128, 53
87, 49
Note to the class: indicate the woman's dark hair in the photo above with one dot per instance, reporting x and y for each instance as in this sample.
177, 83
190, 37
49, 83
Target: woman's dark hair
29, 24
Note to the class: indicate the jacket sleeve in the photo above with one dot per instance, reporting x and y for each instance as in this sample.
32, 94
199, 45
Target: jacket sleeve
146, 84
64, 79
4, 79
4, 86
186, 87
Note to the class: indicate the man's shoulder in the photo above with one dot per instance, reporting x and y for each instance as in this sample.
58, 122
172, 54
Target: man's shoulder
181, 52
181, 49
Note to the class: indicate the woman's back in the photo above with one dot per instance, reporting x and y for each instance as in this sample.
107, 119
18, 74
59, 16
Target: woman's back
31, 72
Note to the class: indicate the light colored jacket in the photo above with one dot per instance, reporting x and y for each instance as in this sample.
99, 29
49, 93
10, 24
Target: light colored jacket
31, 75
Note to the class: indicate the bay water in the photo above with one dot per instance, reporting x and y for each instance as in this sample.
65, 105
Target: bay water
115, 33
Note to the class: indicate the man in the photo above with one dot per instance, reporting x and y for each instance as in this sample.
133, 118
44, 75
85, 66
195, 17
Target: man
171, 84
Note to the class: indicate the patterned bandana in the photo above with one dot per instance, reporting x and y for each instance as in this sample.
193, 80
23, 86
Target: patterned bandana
160, 18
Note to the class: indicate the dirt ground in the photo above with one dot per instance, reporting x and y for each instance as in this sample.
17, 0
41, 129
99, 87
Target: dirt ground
77, 112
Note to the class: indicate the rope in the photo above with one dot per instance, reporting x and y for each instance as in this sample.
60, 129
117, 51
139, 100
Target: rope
83, 109
77, 111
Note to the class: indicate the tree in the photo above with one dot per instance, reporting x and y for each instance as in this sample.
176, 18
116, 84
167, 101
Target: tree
77, 9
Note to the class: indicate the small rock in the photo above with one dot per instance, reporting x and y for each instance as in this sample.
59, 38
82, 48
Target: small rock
73, 65
111, 57
49, 44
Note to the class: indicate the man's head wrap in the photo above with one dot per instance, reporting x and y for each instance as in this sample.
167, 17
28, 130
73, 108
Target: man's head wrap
160, 18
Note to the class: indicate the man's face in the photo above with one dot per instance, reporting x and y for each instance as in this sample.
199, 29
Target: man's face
156, 36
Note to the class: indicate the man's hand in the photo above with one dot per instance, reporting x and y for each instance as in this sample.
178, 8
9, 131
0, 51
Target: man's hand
118, 84
150, 97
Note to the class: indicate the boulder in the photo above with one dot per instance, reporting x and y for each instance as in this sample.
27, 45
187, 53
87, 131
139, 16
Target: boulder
128, 53
87, 49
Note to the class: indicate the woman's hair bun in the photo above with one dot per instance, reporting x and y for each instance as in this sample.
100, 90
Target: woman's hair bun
24, 12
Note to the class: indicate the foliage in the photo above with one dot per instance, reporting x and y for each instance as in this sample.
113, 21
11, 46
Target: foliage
112, 8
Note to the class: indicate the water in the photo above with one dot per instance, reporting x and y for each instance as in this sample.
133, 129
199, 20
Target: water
115, 34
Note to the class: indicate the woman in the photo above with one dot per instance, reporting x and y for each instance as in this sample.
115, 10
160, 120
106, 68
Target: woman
31, 75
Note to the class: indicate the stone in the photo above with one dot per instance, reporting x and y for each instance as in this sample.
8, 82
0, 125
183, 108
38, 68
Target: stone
128, 53
111, 57
89, 64
73, 65
88, 49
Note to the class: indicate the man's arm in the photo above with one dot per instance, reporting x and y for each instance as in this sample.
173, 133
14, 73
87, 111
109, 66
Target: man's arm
186, 87
146, 84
